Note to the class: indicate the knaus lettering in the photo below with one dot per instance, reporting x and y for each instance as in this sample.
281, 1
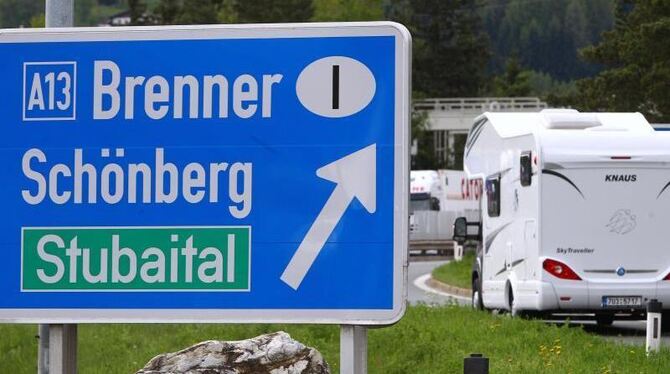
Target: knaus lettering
620, 178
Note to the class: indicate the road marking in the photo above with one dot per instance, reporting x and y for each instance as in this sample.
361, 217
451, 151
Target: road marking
420, 282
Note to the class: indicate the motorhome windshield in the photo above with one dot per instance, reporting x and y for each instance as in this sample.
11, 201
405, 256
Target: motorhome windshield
422, 201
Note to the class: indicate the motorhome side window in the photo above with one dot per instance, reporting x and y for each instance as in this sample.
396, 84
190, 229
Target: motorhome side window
526, 169
493, 195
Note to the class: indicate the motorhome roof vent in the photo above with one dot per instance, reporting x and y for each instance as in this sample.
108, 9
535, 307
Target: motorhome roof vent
569, 119
608, 128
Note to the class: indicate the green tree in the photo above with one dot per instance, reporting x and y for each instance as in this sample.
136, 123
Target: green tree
138, 13
229, 11
226, 12
83, 12
636, 56
189, 12
549, 89
199, 12
273, 10
450, 50
514, 82
18, 13
348, 10
423, 156
95, 12
168, 11
37, 21
545, 35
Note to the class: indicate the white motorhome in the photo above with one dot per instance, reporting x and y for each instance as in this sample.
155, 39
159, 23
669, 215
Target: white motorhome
430, 228
425, 190
573, 213
437, 197
443, 190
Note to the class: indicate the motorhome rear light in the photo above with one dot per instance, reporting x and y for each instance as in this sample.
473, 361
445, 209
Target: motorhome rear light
559, 270
667, 277
620, 157
566, 298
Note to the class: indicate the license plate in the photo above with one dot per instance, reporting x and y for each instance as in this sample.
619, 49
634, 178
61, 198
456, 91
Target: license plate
625, 301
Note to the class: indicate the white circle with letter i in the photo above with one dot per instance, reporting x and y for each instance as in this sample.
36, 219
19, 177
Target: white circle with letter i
335, 86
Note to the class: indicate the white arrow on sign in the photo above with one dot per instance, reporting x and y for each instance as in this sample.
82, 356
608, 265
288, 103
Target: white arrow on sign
355, 176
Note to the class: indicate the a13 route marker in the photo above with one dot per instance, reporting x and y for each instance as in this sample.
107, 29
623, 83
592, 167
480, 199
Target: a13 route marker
212, 173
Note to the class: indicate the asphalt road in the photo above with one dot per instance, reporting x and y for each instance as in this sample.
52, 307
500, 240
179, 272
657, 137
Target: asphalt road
418, 292
630, 332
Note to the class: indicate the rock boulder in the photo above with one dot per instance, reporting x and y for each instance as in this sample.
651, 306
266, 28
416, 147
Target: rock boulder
275, 353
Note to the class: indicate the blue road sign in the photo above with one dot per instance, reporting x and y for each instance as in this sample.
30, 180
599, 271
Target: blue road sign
207, 173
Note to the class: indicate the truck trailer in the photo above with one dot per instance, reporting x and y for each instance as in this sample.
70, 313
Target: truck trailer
437, 197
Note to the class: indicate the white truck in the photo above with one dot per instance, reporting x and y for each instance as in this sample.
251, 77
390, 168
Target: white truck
437, 197
573, 213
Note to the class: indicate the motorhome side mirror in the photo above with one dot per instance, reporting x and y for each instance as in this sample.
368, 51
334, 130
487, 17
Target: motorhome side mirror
460, 229
434, 203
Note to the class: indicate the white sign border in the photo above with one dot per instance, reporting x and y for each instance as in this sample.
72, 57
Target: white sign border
73, 97
403, 45
135, 290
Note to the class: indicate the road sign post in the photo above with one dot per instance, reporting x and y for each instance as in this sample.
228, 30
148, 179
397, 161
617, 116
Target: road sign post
63, 349
205, 174
58, 13
43, 349
353, 349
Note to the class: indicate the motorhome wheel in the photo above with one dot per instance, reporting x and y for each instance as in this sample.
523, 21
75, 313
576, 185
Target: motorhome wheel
513, 310
665, 321
604, 319
477, 302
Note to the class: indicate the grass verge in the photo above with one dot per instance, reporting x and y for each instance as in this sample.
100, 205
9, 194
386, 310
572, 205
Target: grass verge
426, 340
456, 273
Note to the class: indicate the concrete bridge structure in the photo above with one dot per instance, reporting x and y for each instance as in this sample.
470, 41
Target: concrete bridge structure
450, 119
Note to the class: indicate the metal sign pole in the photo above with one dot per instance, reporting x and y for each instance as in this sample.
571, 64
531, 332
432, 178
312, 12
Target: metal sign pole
43, 350
59, 13
57, 350
63, 349
353, 349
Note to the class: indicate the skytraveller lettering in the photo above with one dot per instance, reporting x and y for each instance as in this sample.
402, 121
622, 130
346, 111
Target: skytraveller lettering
180, 96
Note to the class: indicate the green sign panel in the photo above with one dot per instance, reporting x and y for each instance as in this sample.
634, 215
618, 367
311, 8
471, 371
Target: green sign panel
136, 259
